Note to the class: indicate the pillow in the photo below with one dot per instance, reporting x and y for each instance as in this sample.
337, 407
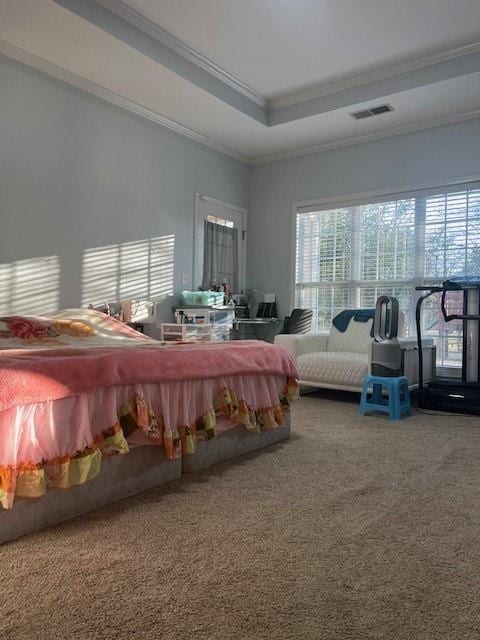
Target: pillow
356, 338
28, 330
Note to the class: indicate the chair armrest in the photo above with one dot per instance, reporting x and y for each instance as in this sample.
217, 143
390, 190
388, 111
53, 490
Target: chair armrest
299, 344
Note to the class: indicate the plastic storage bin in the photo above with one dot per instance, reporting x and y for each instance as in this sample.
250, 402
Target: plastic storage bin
208, 315
171, 332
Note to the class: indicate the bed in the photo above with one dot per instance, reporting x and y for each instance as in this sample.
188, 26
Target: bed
80, 390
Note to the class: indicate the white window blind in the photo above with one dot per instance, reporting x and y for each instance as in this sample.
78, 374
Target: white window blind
324, 262
346, 257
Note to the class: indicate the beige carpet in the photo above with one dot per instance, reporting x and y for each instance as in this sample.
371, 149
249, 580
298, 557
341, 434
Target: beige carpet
355, 528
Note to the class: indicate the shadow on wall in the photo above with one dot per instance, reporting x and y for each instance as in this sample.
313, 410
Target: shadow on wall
30, 286
143, 270
132, 270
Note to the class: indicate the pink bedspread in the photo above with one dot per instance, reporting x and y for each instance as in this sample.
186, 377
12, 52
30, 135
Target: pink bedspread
78, 386
28, 377
51, 429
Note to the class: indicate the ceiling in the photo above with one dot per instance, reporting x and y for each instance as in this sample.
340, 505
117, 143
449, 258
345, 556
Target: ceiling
261, 79
281, 46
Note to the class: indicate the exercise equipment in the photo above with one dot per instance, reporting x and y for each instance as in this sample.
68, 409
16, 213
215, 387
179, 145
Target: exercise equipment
448, 393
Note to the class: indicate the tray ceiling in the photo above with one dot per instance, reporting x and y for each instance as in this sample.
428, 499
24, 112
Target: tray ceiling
260, 80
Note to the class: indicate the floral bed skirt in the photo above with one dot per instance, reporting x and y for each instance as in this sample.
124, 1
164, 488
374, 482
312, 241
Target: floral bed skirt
61, 443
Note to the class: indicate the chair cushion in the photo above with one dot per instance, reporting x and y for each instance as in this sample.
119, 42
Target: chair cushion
342, 368
355, 339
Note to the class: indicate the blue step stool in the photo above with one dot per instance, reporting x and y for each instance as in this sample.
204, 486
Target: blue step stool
396, 403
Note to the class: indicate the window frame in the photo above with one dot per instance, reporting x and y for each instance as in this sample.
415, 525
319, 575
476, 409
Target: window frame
419, 192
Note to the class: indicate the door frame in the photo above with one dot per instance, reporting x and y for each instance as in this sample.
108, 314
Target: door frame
197, 237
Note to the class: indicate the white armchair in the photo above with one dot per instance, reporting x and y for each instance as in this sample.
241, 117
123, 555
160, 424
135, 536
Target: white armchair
340, 360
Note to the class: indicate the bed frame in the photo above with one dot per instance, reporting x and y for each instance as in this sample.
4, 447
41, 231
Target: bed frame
232, 444
122, 476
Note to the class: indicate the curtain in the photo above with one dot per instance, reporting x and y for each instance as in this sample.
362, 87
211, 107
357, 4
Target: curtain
220, 256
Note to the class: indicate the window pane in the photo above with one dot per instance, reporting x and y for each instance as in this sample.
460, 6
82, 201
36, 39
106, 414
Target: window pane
324, 246
452, 234
435, 251
221, 221
326, 302
387, 240
404, 295
446, 335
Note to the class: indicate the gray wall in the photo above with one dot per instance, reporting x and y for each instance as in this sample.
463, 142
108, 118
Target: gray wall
78, 174
427, 158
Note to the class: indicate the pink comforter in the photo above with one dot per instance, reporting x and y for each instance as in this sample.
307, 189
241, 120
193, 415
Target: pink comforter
28, 377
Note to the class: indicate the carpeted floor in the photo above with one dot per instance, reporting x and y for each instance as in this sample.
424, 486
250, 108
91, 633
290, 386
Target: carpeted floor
355, 528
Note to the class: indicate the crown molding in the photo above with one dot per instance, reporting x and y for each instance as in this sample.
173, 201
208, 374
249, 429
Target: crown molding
381, 73
152, 29
368, 137
137, 19
64, 75
68, 77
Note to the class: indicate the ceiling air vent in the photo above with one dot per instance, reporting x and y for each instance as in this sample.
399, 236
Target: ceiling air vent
374, 111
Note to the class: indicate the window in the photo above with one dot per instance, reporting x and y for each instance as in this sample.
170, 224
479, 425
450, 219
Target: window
324, 251
221, 221
348, 256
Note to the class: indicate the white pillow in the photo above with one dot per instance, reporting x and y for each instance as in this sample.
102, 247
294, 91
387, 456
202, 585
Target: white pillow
356, 338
